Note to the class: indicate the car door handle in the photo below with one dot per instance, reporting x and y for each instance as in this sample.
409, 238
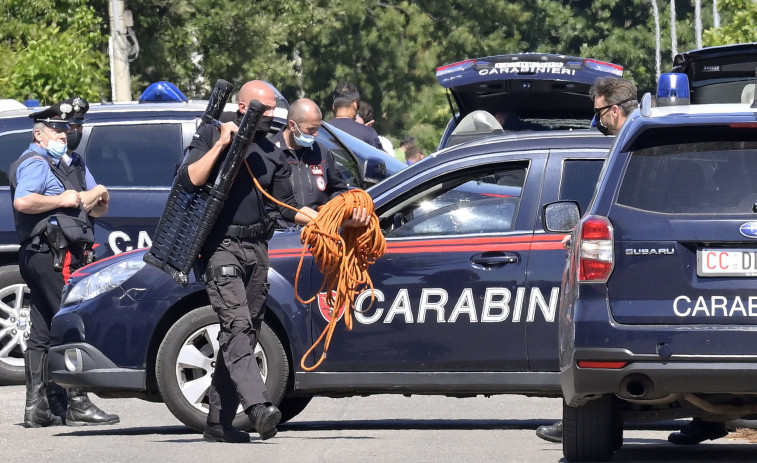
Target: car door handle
498, 258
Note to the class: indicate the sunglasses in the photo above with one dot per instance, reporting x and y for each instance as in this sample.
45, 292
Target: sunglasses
599, 112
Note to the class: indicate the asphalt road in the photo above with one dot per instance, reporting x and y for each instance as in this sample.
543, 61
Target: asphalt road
361, 429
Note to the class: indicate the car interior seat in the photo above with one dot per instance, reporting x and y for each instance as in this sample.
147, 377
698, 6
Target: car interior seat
476, 125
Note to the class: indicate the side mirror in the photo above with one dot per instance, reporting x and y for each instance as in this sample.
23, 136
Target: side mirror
374, 171
561, 217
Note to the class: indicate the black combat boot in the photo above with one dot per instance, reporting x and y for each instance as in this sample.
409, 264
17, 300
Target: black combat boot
697, 431
265, 417
82, 412
37, 411
224, 433
221, 413
57, 399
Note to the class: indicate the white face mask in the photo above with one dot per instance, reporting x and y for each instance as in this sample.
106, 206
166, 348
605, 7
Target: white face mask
304, 140
56, 149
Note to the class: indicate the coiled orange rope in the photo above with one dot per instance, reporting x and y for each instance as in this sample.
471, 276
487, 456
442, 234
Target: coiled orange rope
343, 256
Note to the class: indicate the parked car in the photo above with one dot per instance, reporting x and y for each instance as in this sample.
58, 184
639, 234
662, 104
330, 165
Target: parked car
536, 91
133, 149
466, 295
657, 315
723, 74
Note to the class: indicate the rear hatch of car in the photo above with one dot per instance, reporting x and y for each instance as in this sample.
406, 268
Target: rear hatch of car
685, 226
545, 91
722, 74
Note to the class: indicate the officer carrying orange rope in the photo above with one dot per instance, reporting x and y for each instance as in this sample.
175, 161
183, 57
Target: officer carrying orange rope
218, 213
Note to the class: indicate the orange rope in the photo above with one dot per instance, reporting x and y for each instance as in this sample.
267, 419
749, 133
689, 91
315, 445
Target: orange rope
342, 256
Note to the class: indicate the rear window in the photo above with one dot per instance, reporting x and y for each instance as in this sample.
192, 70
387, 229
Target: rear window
701, 170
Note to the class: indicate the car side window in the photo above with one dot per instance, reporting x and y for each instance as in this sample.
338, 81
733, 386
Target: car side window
13, 146
141, 155
579, 180
347, 167
478, 202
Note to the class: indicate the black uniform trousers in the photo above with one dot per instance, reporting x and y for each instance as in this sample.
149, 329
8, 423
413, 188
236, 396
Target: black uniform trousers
45, 284
237, 286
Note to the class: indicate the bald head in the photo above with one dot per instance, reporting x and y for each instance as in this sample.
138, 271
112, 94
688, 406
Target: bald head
304, 118
257, 90
304, 110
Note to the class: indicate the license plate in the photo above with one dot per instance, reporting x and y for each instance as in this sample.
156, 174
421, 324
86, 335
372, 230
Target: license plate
727, 262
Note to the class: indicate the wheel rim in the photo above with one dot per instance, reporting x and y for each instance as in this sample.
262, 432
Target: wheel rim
14, 324
196, 361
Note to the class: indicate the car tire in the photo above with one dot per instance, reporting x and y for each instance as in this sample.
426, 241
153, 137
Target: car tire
293, 406
14, 325
590, 431
185, 363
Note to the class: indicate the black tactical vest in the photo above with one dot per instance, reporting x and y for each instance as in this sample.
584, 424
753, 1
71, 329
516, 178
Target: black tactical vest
72, 177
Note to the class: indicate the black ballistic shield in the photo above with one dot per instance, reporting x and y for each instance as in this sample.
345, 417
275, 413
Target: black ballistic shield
188, 218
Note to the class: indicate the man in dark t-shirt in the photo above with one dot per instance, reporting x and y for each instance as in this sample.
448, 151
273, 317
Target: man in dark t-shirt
346, 99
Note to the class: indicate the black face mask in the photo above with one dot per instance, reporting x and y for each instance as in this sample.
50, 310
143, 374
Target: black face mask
264, 126
605, 130
73, 138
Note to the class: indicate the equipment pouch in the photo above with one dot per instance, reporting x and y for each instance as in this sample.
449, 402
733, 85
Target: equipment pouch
76, 230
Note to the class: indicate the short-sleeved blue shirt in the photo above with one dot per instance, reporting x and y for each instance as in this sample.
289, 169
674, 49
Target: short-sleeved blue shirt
34, 175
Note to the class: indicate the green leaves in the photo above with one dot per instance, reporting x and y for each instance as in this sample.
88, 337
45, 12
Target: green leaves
389, 49
51, 51
739, 24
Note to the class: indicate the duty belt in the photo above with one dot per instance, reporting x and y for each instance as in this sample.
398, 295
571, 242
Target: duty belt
257, 230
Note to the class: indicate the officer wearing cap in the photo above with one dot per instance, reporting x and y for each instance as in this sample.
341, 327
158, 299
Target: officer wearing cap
79, 106
52, 189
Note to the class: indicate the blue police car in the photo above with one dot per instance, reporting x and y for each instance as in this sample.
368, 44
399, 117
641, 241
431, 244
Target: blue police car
658, 312
133, 149
466, 296
524, 91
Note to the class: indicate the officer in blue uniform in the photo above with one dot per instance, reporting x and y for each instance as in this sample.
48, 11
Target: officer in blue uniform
55, 199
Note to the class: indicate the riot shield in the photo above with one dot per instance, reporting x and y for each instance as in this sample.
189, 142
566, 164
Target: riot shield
188, 218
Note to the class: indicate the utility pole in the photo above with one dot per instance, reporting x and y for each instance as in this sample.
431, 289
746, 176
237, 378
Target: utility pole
118, 49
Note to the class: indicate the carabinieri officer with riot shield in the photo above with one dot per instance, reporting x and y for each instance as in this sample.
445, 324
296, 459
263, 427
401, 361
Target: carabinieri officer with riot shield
55, 199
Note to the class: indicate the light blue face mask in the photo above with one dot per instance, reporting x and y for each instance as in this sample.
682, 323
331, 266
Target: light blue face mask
56, 149
304, 140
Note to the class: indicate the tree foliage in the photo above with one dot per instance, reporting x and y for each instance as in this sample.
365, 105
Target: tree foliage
740, 27
52, 50
388, 48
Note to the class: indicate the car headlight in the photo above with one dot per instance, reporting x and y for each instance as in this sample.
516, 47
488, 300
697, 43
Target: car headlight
103, 280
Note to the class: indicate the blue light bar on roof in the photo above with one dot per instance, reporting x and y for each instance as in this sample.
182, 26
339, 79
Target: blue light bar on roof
673, 89
161, 92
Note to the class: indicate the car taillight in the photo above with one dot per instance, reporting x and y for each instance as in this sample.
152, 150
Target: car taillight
595, 247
